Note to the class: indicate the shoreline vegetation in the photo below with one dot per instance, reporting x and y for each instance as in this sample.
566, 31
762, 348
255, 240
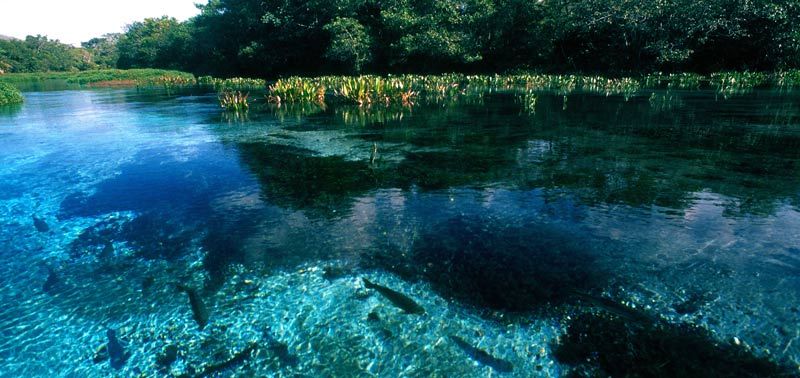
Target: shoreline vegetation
403, 90
9, 95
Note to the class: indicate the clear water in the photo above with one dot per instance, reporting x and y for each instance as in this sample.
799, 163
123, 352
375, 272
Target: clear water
508, 228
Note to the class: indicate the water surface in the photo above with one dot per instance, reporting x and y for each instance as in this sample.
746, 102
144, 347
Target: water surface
675, 212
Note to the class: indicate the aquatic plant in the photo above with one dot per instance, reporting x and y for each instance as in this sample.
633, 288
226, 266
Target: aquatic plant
366, 115
368, 90
729, 83
10, 95
233, 100
297, 110
528, 100
296, 89
167, 81
235, 83
789, 78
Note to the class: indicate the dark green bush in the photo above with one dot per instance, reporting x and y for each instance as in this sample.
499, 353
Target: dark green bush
9, 95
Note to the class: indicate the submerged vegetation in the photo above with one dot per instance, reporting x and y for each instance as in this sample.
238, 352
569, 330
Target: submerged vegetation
9, 95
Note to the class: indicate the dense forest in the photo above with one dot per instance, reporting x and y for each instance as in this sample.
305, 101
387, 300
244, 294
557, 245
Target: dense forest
269, 38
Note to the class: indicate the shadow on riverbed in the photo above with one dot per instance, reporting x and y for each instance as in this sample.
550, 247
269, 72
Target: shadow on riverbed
604, 344
514, 267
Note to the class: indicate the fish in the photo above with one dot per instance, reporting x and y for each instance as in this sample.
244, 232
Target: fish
107, 252
167, 356
482, 356
280, 350
616, 308
398, 299
52, 280
40, 224
237, 359
116, 352
199, 310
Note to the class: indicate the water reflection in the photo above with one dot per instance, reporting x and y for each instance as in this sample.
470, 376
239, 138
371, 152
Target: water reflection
678, 204
603, 150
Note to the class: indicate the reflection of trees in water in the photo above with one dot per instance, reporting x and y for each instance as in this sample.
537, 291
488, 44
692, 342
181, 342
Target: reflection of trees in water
601, 150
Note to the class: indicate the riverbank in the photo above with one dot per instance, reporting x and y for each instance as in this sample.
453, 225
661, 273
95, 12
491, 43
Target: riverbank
108, 77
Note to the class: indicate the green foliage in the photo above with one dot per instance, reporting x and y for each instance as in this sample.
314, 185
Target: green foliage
103, 50
135, 76
154, 43
9, 95
297, 90
235, 83
280, 38
37, 54
272, 37
350, 43
235, 101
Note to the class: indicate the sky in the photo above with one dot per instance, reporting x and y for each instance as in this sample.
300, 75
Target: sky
76, 21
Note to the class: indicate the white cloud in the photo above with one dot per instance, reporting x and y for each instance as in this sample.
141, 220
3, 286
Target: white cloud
75, 21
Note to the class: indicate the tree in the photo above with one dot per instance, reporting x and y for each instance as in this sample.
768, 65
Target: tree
350, 44
155, 43
103, 50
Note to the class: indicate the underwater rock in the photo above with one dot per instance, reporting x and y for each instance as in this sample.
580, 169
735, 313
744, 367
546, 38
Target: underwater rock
482, 356
199, 310
400, 300
40, 224
116, 352
167, 356
605, 344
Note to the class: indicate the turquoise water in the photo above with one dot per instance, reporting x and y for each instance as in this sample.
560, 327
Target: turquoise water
600, 235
